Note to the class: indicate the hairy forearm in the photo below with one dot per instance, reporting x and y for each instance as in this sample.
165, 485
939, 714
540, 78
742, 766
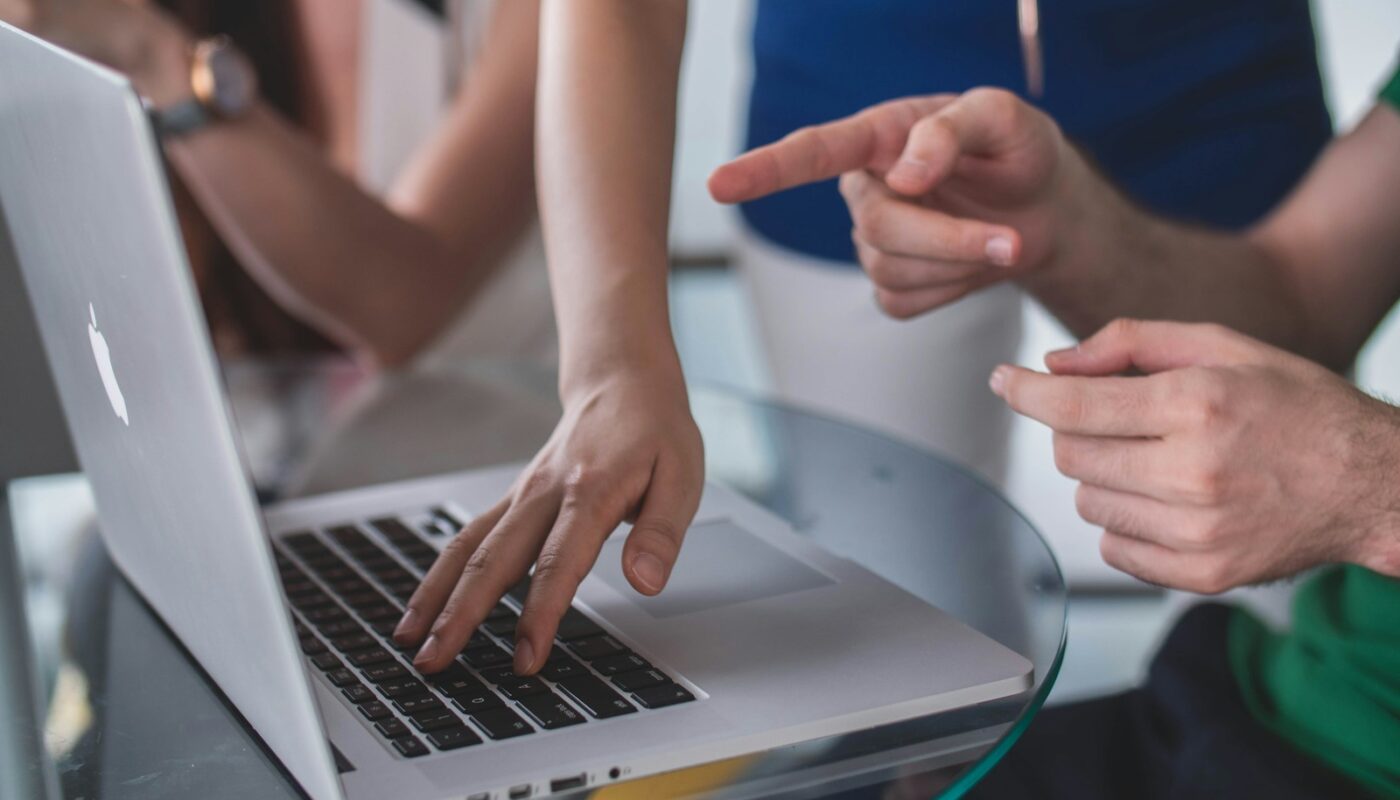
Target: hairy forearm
606, 110
1116, 260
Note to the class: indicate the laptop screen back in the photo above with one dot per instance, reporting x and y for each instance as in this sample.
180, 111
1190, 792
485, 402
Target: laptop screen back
94, 232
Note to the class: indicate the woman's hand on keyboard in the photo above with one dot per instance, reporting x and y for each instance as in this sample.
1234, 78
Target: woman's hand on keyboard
626, 449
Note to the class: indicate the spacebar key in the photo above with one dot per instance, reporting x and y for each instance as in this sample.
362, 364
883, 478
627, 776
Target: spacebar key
595, 697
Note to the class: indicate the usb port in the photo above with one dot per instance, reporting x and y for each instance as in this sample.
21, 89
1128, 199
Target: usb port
522, 791
566, 784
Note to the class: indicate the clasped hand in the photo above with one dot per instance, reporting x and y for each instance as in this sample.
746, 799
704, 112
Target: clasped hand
1229, 462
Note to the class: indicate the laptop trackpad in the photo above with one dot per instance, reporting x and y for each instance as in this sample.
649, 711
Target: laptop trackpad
721, 564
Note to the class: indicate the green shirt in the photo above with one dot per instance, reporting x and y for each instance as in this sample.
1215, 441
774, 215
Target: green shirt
1331, 686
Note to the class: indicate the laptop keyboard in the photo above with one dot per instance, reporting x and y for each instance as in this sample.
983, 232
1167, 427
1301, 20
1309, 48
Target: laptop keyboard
348, 584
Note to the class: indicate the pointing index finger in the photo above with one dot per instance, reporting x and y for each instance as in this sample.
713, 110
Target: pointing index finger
871, 139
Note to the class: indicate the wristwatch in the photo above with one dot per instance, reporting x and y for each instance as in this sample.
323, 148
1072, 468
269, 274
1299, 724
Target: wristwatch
223, 86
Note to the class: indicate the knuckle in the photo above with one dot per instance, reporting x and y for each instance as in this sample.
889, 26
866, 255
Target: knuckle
1122, 328
1205, 484
883, 270
658, 530
534, 483
870, 218
895, 304
555, 567
1001, 106
1067, 457
481, 562
1214, 577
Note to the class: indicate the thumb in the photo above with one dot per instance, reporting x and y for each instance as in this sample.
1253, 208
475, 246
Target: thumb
655, 539
1147, 346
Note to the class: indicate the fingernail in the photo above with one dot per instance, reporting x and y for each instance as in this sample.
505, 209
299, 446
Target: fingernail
409, 617
649, 571
909, 170
1062, 352
427, 652
998, 381
524, 656
1000, 250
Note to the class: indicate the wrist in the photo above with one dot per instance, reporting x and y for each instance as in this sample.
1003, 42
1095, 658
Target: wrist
1377, 545
584, 374
161, 65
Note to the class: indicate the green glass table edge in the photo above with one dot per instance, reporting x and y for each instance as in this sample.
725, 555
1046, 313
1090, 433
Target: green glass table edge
992, 757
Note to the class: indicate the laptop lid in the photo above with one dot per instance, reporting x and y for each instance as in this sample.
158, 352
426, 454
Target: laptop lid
93, 229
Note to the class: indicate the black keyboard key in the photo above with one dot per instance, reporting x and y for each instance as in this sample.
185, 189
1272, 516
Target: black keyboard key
522, 687
354, 641
622, 662
503, 627
325, 615
391, 728
420, 704
357, 693
409, 747
500, 674
385, 627
574, 625
312, 646
398, 688
434, 720
641, 679
596, 697
302, 540
453, 521
550, 711
562, 669
458, 684
375, 711
344, 627
380, 673
341, 677
667, 694
326, 662
593, 648
501, 723
477, 701
394, 530
364, 658
453, 738
485, 657
384, 612
501, 610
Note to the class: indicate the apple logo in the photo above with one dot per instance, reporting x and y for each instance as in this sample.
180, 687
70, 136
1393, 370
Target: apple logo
103, 356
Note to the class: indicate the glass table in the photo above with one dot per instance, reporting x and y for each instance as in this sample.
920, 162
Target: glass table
124, 712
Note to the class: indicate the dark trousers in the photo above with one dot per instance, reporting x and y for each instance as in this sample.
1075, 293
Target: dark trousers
1185, 734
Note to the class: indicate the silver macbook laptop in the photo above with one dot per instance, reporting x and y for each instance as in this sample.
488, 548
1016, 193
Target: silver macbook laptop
761, 639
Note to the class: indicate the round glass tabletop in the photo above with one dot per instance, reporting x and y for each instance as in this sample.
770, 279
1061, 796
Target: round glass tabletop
128, 714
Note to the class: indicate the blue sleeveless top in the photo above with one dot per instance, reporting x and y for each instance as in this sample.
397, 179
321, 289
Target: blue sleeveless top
1207, 110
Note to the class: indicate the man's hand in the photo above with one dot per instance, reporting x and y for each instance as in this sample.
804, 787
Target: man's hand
1227, 463
949, 193
625, 450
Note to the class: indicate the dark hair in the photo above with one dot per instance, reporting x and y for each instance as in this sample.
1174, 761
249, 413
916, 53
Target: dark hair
243, 317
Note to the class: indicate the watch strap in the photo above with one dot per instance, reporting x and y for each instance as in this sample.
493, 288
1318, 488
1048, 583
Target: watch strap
181, 119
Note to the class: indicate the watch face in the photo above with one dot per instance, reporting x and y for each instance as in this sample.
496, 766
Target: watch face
233, 82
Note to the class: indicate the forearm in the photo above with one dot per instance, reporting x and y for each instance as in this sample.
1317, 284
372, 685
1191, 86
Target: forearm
319, 244
1113, 259
607, 105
